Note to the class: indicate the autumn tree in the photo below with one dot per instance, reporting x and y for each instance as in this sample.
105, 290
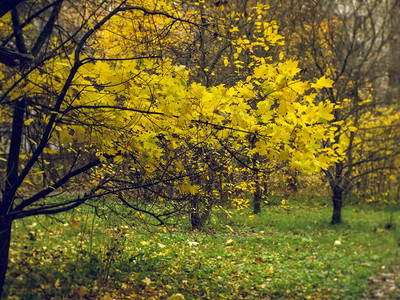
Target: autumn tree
37, 102
108, 100
348, 42
227, 46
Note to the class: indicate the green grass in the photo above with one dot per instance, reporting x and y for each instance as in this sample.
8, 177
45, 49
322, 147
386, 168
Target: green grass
277, 254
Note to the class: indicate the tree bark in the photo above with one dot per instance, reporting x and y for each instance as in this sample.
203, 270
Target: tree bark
5, 238
197, 218
337, 200
11, 183
257, 192
10, 188
338, 187
257, 197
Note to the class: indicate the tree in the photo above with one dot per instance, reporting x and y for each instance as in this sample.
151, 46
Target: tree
43, 93
110, 101
347, 42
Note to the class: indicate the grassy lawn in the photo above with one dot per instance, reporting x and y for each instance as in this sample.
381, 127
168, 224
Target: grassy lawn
280, 253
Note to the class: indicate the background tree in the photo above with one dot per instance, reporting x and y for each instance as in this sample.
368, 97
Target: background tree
349, 43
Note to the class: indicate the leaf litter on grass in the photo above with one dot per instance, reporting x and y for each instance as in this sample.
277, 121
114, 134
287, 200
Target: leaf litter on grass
268, 258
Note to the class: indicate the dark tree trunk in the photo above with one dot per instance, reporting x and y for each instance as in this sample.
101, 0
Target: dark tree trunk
257, 192
5, 238
10, 188
337, 199
338, 187
195, 220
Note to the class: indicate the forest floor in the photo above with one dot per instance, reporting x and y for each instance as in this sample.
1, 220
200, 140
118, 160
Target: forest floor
289, 253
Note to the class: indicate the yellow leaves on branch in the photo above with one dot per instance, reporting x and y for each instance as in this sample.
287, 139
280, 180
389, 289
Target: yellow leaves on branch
141, 105
134, 102
187, 188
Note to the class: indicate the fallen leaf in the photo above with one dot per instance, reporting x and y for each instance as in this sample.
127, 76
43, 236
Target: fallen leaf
258, 260
176, 297
147, 281
74, 222
230, 228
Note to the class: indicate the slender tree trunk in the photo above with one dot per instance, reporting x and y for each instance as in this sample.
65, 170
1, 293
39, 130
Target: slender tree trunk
5, 238
337, 200
337, 184
257, 197
11, 185
257, 192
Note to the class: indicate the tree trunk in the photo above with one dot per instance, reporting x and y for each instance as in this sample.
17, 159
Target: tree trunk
257, 192
337, 199
10, 187
197, 218
338, 187
5, 238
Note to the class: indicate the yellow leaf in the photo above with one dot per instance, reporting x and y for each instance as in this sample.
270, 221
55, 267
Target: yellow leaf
118, 159
176, 297
230, 228
352, 128
325, 111
230, 241
28, 122
323, 82
147, 281
28, 182
365, 102
74, 222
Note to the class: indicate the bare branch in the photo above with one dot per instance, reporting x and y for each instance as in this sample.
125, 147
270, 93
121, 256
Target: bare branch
55, 186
